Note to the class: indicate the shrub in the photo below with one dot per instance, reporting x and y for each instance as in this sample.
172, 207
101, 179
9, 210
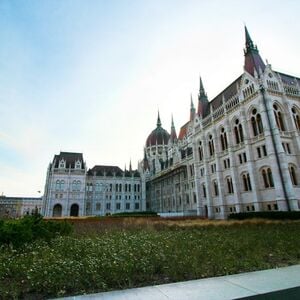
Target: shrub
30, 228
136, 214
274, 215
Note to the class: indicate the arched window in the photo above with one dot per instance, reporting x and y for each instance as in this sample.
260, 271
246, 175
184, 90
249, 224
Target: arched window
216, 188
267, 177
211, 146
246, 182
230, 189
204, 190
200, 150
74, 185
238, 132
296, 117
256, 122
57, 185
293, 175
62, 185
278, 117
78, 185
223, 137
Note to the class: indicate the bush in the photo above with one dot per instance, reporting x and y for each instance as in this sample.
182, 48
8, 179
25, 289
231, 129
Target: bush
136, 214
30, 228
273, 215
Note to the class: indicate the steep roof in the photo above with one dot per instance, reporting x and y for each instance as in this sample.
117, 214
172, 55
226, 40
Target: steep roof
100, 170
288, 79
253, 61
226, 94
183, 131
70, 158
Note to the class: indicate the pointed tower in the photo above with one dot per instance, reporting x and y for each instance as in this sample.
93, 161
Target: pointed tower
130, 167
253, 62
173, 137
158, 123
202, 100
192, 110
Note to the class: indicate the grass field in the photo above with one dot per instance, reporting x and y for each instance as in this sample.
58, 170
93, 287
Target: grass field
117, 253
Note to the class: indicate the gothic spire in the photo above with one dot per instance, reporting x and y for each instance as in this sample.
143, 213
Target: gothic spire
202, 93
130, 167
202, 100
158, 120
249, 42
253, 62
173, 136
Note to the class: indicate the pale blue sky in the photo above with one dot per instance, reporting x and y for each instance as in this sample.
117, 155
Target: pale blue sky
88, 76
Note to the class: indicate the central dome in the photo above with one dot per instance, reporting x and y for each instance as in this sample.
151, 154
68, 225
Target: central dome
158, 136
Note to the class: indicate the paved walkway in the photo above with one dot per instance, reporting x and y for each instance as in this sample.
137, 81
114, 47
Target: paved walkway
281, 283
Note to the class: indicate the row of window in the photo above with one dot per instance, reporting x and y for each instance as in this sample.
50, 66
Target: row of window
118, 187
118, 206
267, 179
257, 129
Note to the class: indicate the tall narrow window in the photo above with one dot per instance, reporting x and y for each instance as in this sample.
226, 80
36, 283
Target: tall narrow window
246, 182
296, 118
200, 150
223, 137
216, 188
267, 177
293, 175
256, 122
211, 145
230, 189
204, 190
278, 117
238, 132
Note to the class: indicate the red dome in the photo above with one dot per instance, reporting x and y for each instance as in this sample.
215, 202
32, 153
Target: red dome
158, 136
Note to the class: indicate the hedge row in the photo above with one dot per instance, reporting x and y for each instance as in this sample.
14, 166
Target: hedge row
136, 214
18, 232
274, 215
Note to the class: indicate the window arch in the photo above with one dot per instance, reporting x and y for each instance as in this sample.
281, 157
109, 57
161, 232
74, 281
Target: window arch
216, 188
278, 117
256, 122
267, 177
296, 117
293, 175
204, 190
223, 138
246, 182
59, 185
230, 189
211, 146
238, 132
200, 151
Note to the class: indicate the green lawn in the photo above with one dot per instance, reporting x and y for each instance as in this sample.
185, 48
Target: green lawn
118, 259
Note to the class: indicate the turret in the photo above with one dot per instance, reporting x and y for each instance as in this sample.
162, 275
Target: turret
254, 64
202, 100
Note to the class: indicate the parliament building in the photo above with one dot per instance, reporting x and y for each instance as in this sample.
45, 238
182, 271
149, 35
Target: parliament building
237, 152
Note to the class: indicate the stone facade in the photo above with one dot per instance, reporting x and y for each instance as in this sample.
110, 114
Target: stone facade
72, 190
238, 152
15, 207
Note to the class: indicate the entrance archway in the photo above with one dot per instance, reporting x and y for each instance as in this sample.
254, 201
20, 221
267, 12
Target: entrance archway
57, 210
74, 211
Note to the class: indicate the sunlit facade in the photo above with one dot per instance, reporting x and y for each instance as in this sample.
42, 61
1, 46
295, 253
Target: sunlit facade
238, 152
